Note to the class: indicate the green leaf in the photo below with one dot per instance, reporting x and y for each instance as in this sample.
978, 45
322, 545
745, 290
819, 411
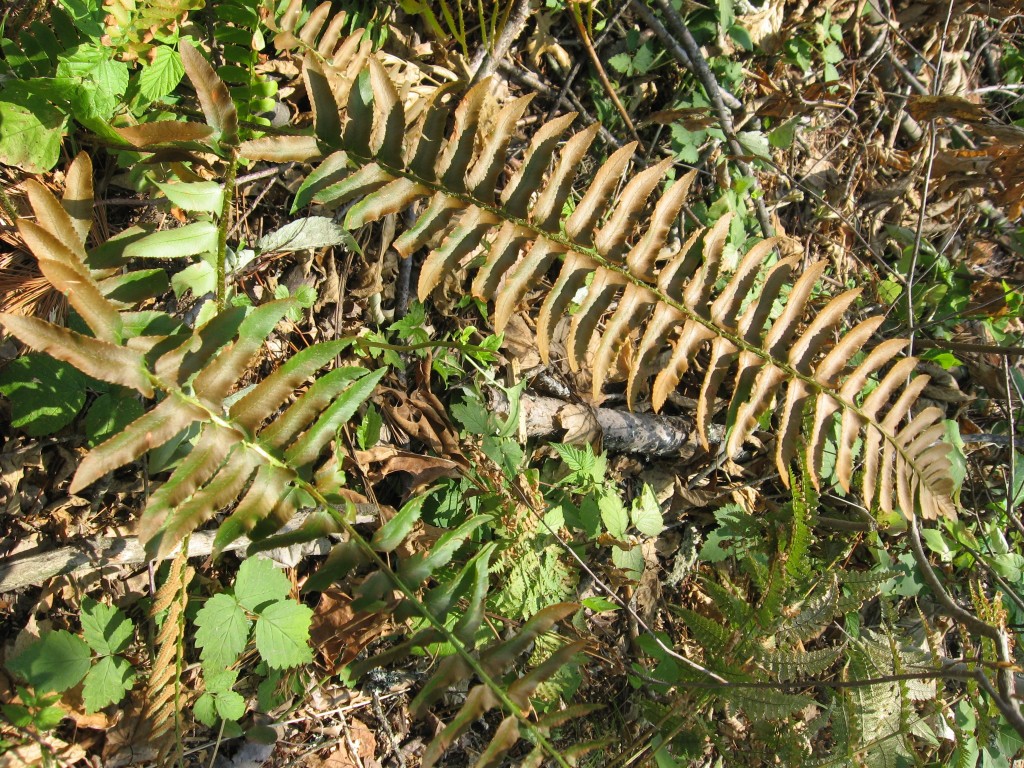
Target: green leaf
230, 705
56, 662
45, 394
582, 461
473, 416
600, 604
100, 81
282, 634
200, 278
394, 531
109, 415
190, 240
782, 136
105, 627
205, 710
621, 62
630, 561
220, 680
222, 631
107, 682
260, 582
161, 75
613, 514
31, 130
368, 431
205, 196
646, 512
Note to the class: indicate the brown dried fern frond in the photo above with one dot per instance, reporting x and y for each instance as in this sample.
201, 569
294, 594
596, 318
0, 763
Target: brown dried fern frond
382, 166
164, 699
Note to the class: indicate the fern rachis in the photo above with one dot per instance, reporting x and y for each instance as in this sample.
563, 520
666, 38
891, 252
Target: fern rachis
360, 123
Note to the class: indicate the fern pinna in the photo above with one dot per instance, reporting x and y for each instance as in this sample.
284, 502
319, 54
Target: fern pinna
381, 165
258, 453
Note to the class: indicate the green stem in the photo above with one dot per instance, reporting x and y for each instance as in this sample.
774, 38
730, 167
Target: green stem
222, 229
8, 207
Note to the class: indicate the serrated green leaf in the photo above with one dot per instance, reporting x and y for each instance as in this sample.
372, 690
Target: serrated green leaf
260, 582
220, 680
162, 74
204, 196
473, 416
282, 634
582, 461
222, 631
58, 661
646, 513
230, 705
190, 240
107, 682
205, 710
105, 627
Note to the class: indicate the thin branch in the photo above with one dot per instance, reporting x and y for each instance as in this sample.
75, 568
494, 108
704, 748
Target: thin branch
715, 94
581, 29
951, 609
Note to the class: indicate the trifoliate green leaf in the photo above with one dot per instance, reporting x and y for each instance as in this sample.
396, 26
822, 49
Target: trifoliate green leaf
222, 631
58, 661
282, 634
105, 628
107, 682
220, 680
583, 462
646, 513
259, 583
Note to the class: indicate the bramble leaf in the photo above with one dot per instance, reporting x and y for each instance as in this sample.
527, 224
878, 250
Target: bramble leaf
222, 631
58, 661
260, 582
107, 682
282, 634
105, 627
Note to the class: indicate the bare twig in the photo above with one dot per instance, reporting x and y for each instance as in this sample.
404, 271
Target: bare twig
486, 61
581, 29
715, 94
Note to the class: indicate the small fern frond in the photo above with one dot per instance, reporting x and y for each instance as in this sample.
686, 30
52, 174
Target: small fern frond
164, 699
517, 235
795, 664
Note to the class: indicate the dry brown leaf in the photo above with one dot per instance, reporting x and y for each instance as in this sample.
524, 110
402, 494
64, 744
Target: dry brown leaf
359, 736
339, 633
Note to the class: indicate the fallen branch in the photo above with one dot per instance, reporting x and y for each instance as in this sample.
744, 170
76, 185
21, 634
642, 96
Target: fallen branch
28, 568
